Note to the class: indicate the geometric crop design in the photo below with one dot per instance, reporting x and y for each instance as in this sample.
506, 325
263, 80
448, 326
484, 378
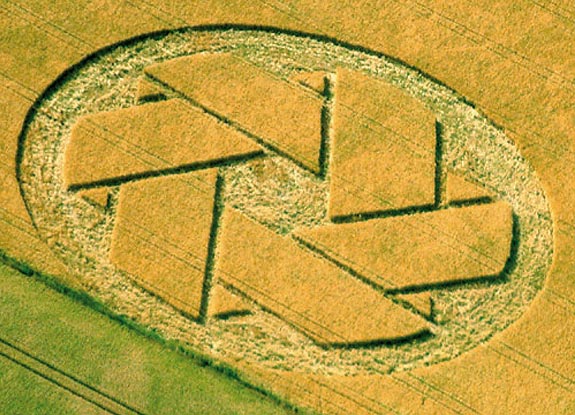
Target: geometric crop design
397, 226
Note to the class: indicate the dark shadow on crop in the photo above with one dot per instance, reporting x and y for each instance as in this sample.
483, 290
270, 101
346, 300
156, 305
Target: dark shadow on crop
152, 98
186, 168
419, 337
440, 175
212, 246
484, 280
380, 214
231, 314
471, 202
326, 123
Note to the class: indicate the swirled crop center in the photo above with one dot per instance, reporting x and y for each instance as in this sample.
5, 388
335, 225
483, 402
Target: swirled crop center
267, 196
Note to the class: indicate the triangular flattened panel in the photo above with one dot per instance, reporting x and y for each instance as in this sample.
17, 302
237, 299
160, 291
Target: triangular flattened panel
162, 233
383, 149
318, 298
151, 137
149, 91
420, 301
420, 250
461, 190
279, 113
224, 304
98, 196
315, 80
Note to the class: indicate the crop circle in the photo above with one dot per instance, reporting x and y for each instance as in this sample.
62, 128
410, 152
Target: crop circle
283, 198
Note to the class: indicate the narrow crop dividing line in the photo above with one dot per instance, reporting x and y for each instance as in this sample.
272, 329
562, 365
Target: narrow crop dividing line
65, 381
358, 398
552, 375
46, 23
344, 410
170, 21
556, 10
298, 17
14, 225
426, 394
23, 87
355, 270
240, 286
490, 44
444, 393
154, 289
513, 356
567, 302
